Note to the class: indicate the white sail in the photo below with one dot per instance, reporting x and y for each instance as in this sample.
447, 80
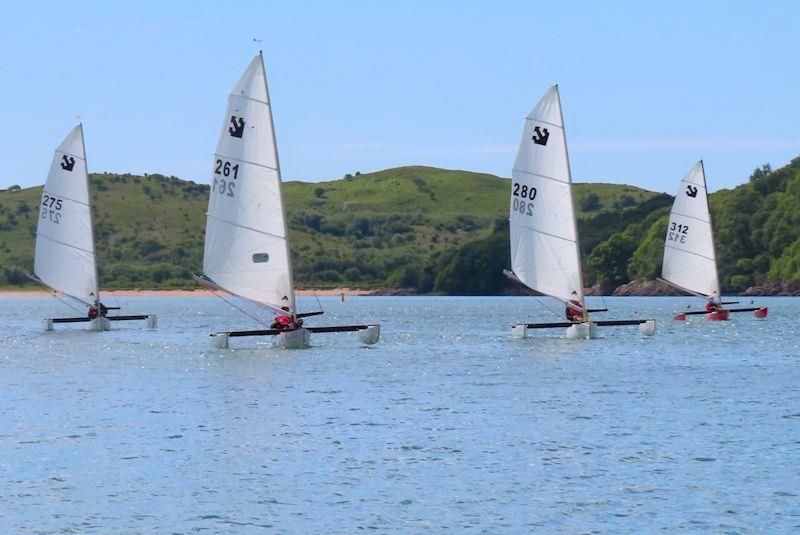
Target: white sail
544, 239
64, 258
246, 244
689, 257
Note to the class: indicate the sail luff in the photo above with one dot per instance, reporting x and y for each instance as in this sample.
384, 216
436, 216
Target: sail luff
572, 200
280, 186
91, 221
711, 228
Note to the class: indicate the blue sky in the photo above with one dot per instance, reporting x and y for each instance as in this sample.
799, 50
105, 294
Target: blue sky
647, 87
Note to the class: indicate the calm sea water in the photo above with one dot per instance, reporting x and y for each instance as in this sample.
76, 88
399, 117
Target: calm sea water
446, 423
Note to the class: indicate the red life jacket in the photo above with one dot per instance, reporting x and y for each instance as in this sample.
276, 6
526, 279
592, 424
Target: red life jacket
576, 313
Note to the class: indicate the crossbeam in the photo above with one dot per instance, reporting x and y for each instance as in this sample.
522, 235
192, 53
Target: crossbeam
87, 319
601, 323
273, 332
697, 312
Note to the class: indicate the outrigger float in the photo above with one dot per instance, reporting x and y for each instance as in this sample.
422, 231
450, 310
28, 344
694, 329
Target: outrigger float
690, 260
247, 253
545, 254
64, 260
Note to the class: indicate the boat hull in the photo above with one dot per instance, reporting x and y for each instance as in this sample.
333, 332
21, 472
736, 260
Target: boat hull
296, 339
761, 313
718, 315
582, 331
99, 324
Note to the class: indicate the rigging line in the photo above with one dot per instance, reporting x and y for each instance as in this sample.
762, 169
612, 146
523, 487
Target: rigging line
317, 298
254, 318
55, 294
556, 314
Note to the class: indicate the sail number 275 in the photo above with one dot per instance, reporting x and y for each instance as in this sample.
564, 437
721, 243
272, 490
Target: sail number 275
677, 232
51, 209
225, 186
520, 194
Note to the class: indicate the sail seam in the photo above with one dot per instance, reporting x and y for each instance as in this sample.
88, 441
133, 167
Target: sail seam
542, 232
38, 234
245, 161
212, 216
542, 176
250, 99
544, 122
65, 153
691, 217
689, 252
60, 196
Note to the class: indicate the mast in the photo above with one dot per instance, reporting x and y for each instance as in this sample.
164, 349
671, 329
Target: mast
574, 213
280, 185
91, 224
711, 226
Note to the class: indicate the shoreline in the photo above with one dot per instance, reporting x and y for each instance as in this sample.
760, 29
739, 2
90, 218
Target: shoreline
200, 292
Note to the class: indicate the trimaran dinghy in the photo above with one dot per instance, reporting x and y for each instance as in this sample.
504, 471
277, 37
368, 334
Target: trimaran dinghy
690, 260
65, 260
545, 256
247, 253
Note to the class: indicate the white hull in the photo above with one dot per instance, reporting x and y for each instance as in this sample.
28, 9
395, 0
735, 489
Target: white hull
370, 335
297, 339
99, 324
582, 331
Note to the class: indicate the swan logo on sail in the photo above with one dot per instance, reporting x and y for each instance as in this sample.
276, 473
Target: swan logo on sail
67, 163
540, 135
691, 191
237, 126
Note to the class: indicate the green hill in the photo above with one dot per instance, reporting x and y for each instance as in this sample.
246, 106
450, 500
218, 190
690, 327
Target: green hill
398, 228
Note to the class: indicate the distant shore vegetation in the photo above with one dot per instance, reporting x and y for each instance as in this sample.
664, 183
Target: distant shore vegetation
418, 230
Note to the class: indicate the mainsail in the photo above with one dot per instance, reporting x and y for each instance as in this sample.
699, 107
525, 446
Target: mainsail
544, 238
689, 257
64, 258
246, 244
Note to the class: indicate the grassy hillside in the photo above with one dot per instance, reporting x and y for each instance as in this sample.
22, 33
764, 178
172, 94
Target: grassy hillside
395, 228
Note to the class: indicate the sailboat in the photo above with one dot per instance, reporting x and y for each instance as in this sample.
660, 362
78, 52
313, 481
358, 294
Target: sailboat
64, 259
545, 255
247, 251
690, 259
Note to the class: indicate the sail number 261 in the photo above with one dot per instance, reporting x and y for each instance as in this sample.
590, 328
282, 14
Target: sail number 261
677, 232
520, 193
225, 169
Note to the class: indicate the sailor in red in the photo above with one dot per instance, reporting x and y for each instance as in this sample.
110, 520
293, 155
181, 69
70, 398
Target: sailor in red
93, 312
574, 311
285, 322
713, 304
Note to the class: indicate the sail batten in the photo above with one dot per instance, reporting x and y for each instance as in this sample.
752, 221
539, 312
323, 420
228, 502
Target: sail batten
689, 254
246, 246
65, 254
544, 239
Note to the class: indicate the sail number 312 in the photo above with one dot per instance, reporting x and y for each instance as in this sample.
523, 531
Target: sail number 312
522, 192
225, 169
677, 232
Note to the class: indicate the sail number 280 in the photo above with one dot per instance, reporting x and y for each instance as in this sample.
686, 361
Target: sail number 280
677, 232
225, 169
520, 194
